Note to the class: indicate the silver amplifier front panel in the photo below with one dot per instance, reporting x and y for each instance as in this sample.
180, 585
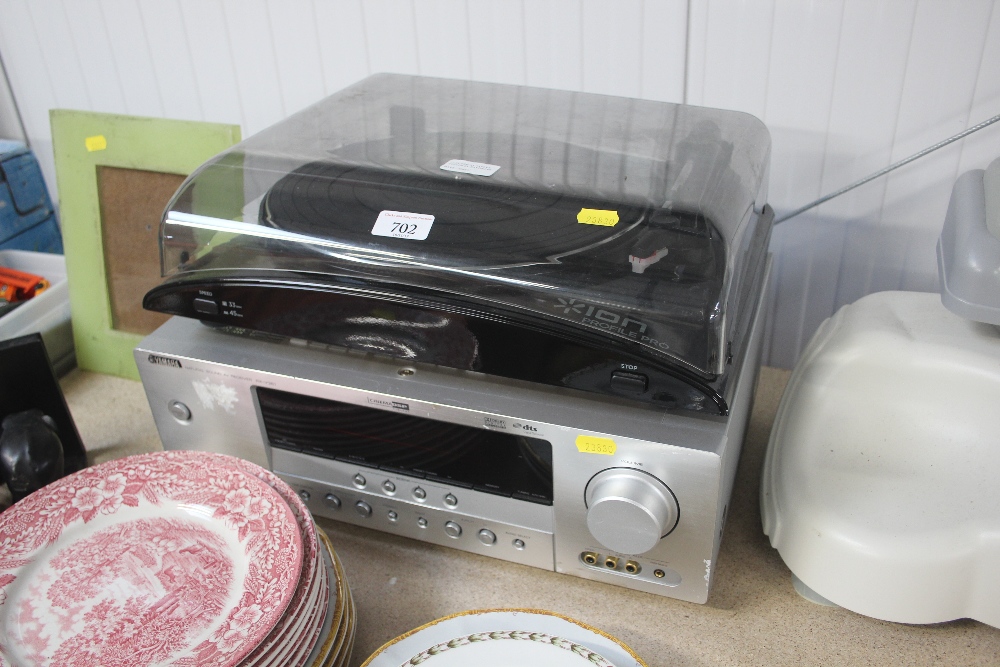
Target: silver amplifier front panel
453, 517
201, 385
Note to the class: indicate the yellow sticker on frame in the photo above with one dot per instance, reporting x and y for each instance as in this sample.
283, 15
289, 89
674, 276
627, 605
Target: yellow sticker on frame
596, 216
95, 143
591, 444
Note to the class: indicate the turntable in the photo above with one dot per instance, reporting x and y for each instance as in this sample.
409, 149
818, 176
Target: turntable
423, 295
582, 241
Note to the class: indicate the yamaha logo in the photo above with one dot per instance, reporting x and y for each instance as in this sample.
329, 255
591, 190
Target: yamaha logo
164, 361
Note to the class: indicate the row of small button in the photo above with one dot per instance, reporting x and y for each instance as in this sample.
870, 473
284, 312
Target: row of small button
418, 492
451, 528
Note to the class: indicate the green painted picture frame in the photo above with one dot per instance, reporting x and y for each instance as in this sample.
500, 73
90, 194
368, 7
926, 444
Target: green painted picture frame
83, 142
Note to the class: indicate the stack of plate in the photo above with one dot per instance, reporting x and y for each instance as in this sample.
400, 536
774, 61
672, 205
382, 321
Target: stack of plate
175, 558
505, 637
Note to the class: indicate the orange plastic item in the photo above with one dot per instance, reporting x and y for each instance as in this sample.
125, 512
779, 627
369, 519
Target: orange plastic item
19, 286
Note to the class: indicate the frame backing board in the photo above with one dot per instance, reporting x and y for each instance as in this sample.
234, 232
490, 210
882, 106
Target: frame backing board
115, 175
131, 201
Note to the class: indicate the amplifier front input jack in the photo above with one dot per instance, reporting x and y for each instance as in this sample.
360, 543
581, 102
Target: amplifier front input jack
632, 567
659, 574
611, 562
590, 558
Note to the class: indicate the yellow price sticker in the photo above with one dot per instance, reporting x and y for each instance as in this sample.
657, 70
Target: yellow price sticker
591, 444
95, 143
596, 216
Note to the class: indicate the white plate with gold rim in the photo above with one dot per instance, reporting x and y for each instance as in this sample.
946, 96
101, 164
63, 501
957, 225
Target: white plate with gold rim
335, 616
340, 653
504, 637
346, 646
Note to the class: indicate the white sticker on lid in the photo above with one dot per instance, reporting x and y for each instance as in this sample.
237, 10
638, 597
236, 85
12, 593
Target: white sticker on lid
400, 225
475, 168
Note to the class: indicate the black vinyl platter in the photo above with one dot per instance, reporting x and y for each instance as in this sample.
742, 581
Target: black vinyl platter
525, 231
477, 224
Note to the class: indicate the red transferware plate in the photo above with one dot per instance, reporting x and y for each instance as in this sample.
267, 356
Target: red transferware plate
298, 610
161, 559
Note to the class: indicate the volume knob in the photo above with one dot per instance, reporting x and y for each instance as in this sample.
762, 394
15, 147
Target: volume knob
628, 510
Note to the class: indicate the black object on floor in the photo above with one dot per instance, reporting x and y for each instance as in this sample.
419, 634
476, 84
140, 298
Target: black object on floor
28, 383
31, 454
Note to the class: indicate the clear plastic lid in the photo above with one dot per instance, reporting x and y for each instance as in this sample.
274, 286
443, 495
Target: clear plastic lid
623, 217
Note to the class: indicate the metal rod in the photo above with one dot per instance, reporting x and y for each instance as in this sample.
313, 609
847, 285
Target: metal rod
883, 172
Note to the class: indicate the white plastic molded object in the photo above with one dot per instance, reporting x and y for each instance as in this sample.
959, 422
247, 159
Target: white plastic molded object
881, 484
969, 247
991, 195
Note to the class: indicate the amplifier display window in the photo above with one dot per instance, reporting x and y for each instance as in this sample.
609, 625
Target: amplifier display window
489, 461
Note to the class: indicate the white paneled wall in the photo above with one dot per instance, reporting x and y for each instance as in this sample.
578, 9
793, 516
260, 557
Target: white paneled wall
254, 62
10, 120
845, 86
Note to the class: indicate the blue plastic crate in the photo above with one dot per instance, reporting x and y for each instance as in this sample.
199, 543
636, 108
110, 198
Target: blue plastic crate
27, 217
43, 237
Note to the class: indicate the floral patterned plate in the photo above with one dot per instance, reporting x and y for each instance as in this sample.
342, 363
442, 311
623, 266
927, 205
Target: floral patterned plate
311, 587
304, 631
504, 637
310, 631
160, 559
